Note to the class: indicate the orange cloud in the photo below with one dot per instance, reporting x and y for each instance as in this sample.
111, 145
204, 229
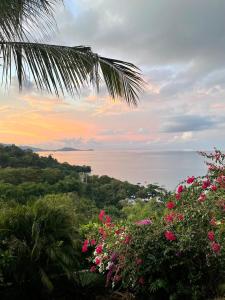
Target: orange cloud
36, 127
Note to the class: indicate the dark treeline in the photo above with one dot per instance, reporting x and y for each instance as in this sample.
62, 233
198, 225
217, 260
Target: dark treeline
15, 157
25, 176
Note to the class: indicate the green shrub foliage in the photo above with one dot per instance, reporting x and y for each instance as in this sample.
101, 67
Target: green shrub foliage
178, 253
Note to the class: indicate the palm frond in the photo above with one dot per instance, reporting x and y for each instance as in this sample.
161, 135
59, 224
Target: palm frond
60, 69
18, 17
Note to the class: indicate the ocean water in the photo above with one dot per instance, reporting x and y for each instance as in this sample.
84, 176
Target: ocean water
137, 166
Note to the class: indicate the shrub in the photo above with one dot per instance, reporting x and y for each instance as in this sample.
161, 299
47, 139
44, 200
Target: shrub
38, 244
180, 255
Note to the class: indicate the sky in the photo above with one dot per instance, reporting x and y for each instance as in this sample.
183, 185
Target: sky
180, 47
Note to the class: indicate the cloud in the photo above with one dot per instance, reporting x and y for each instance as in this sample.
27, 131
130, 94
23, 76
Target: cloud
160, 31
180, 47
189, 123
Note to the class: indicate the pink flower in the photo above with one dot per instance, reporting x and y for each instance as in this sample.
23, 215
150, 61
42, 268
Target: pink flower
144, 222
170, 205
213, 187
215, 247
107, 220
169, 235
93, 269
211, 167
141, 280
102, 232
99, 249
169, 218
202, 197
211, 235
190, 179
177, 196
221, 179
97, 261
93, 242
180, 217
205, 184
180, 189
213, 222
101, 215
139, 261
127, 239
84, 248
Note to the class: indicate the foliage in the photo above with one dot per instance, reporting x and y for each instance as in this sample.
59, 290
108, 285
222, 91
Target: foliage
152, 209
178, 253
26, 176
55, 68
38, 243
15, 157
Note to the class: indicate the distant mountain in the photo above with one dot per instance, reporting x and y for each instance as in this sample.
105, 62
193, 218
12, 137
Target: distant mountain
64, 149
31, 148
70, 149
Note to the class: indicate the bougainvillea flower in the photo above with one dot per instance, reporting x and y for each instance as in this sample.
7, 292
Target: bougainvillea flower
101, 215
141, 280
180, 217
127, 239
170, 236
170, 205
202, 197
211, 167
211, 235
97, 261
178, 196
213, 187
213, 222
190, 180
215, 247
107, 219
99, 249
144, 222
102, 232
180, 189
93, 269
84, 248
169, 218
205, 184
139, 261
93, 242
221, 179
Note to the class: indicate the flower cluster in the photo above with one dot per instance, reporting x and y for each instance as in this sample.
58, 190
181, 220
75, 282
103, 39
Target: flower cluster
194, 213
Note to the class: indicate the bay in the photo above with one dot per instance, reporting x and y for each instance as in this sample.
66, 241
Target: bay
138, 166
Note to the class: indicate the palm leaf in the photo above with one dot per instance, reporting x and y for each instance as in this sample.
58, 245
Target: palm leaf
58, 69
18, 17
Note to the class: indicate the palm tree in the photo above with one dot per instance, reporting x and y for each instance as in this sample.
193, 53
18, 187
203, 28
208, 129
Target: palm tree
57, 69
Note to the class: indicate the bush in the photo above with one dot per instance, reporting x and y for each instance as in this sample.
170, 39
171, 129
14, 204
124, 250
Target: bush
38, 244
180, 255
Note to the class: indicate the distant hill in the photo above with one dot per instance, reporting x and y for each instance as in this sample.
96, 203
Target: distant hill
34, 149
16, 157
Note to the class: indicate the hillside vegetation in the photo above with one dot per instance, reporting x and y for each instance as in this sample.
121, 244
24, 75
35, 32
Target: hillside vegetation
67, 234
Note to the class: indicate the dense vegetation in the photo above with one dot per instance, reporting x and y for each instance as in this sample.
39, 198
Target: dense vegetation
176, 252
43, 204
144, 243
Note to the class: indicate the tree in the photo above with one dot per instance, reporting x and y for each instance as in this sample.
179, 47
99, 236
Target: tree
57, 69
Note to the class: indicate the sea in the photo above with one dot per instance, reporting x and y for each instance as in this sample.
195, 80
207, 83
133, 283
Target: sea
165, 168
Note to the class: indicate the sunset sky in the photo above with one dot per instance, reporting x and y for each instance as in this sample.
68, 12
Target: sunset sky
179, 46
